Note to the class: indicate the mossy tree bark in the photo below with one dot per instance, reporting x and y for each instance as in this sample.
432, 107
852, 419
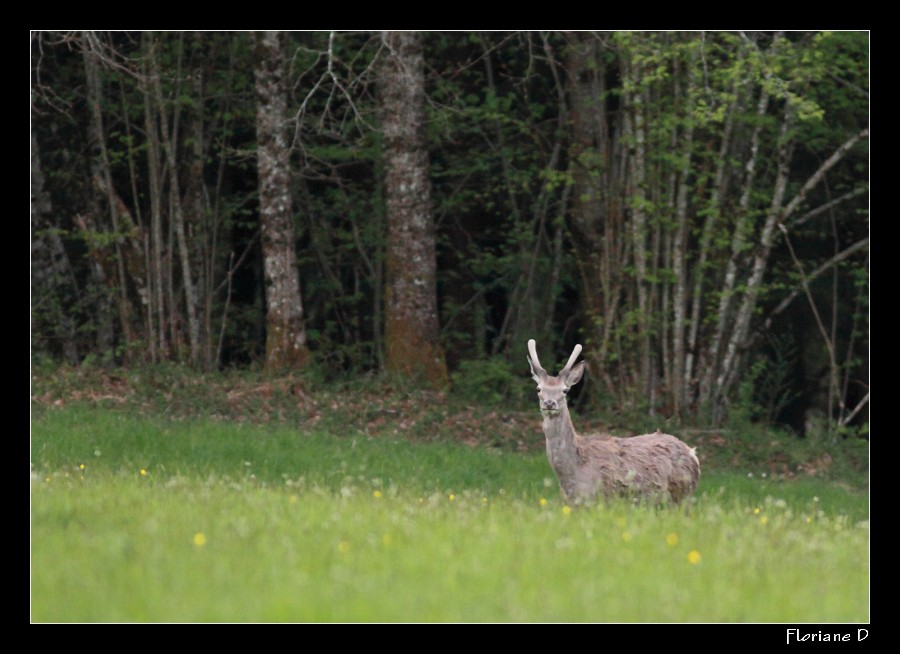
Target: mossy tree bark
286, 344
412, 346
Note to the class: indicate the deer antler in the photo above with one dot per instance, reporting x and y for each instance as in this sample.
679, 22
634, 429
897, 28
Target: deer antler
572, 358
535, 362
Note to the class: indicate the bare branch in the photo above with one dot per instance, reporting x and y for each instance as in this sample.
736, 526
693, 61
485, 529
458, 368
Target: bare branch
846, 420
108, 55
817, 176
331, 79
809, 215
833, 261
829, 344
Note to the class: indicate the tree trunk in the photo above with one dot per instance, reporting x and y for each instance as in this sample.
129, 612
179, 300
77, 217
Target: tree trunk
286, 346
196, 212
411, 329
177, 218
53, 291
694, 358
637, 197
596, 209
140, 241
157, 274
740, 236
101, 180
679, 266
736, 344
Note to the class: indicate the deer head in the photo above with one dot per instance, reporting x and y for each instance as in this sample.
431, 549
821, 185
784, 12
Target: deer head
552, 390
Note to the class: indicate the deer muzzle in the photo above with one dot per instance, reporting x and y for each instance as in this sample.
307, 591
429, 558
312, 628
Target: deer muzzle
549, 406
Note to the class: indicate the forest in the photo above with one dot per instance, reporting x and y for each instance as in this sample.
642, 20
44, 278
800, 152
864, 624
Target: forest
692, 207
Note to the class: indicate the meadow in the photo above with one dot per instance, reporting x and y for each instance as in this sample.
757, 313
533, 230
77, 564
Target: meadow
143, 517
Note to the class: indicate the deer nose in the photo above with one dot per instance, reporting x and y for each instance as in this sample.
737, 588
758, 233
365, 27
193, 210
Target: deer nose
549, 404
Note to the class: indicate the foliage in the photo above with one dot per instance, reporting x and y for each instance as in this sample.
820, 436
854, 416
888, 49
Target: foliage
488, 382
619, 189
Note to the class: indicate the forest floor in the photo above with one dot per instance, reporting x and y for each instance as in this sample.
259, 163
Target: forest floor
376, 407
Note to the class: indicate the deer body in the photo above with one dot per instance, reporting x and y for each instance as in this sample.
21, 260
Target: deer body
656, 467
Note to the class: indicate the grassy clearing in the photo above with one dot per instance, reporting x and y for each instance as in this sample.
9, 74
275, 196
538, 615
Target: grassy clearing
198, 520
103, 440
504, 419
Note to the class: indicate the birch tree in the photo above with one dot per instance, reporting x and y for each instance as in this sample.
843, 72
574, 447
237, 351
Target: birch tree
674, 278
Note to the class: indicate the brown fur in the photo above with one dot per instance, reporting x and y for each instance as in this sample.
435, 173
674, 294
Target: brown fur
656, 467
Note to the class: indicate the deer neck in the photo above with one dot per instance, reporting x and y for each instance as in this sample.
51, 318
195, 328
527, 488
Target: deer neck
560, 434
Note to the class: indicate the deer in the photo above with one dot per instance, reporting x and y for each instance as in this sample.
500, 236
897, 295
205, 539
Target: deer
654, 468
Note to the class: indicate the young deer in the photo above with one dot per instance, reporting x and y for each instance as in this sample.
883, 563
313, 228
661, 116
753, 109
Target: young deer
657, 468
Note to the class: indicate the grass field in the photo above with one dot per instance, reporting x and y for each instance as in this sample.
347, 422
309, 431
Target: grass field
148, 518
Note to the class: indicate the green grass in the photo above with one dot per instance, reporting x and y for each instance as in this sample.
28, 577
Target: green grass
198, 520
102, 440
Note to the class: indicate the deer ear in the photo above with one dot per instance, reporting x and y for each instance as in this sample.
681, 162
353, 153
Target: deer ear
575, 374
